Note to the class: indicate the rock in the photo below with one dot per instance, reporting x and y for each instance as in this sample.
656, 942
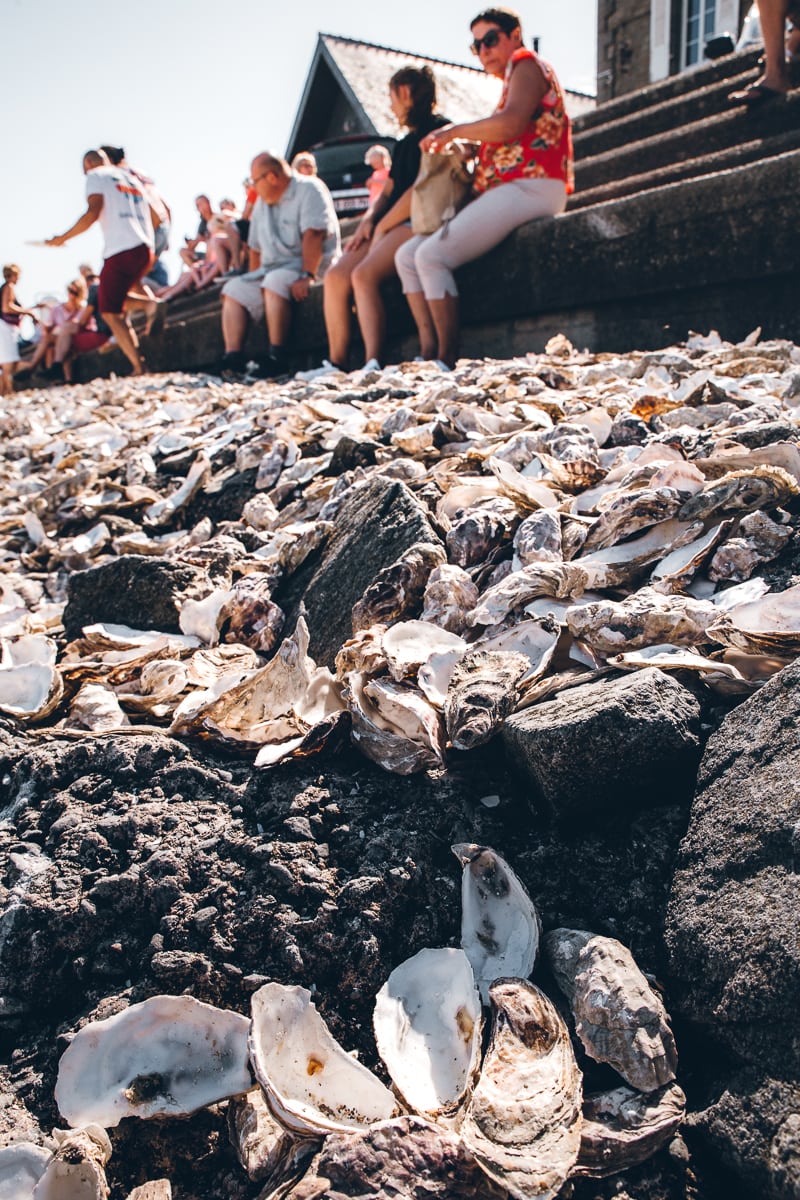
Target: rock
135, 590
375, 526
349, 453
627, 743
732, 920
158, 1189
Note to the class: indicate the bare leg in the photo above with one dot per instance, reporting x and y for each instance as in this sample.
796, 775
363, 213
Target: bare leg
126, 339
445, 318
336, 303
278, 313
184, 283
773, 30
424, 322
234, 324
7, 378
367, 279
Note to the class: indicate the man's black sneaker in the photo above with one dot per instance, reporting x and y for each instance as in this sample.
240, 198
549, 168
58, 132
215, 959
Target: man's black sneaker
232, 360
271, 366
54, 373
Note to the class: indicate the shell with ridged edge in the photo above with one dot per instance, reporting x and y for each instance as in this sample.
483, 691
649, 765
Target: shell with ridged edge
523, 1121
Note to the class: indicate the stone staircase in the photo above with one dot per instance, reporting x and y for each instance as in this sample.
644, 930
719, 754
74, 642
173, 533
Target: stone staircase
685, 217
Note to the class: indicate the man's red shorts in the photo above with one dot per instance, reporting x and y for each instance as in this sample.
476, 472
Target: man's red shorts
87, 339
118, 276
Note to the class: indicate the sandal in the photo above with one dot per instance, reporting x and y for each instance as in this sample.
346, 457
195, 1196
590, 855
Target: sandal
756, 95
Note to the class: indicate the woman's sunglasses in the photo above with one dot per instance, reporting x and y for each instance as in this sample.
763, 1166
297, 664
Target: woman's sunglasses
489, 40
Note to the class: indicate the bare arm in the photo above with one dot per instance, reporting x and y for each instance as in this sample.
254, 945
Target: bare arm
526, 90
253, 259
313, 240
10, 304
93, 210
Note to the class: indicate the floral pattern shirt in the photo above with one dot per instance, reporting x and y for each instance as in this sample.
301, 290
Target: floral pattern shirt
543, 150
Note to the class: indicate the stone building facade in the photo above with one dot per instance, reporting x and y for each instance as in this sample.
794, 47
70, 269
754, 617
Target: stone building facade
641, 41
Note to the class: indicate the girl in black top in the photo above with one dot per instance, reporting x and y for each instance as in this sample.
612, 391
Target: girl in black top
368, 257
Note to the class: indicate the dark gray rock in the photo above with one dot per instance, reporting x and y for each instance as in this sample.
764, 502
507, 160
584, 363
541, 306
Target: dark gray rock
754, 1128
732, 928
625, 743
136, 590
374, 527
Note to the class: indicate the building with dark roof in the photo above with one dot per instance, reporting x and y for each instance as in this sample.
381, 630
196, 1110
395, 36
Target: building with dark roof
347, 92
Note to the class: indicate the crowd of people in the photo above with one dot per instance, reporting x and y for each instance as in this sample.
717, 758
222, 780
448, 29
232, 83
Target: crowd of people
285, 239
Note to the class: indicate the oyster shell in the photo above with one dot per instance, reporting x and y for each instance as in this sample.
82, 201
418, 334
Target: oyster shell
760, 541
407, 645
263, 1147
449, 596
644, 619
312, 1086
558, 580
538, 539
623, 1127
249, 617
30, 685
761, 487
523, 1121
629, 514
770, 625
21, 1167
76, 1170
483, 690
392, 727
397, 590
618, 1017
167, 1056
427, 1023
481, 531
500, 927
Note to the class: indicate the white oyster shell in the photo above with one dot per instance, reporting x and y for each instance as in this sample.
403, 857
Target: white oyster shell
409, 644
500, 927
523, 1122
623, 1127
22, 1165
311, 1084
167, 1056
427, 1023
770, 625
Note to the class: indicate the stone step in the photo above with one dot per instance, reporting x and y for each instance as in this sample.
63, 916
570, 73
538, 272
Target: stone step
668, 89
710, 135
659, 118
707, 164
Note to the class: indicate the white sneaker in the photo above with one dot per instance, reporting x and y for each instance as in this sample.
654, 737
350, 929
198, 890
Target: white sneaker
327, 368
372, 365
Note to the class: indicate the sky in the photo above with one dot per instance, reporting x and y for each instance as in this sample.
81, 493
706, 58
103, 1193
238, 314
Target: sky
193, 90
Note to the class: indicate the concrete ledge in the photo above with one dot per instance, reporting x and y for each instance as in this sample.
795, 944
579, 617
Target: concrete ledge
715, 252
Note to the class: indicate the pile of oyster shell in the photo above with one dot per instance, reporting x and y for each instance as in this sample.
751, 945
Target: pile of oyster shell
599, 512
515, 1113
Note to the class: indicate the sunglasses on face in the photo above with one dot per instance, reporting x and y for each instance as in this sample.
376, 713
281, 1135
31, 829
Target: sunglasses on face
73, 292
488, 41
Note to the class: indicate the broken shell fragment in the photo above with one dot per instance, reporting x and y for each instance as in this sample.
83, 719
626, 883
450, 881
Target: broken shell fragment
618, 1016
409, 644
500, 927
311, 1084
427, 1023
22, 1165
394, 725
623, 1127
484, 689
76, 1170
449, 596
168, 1056
523, 1121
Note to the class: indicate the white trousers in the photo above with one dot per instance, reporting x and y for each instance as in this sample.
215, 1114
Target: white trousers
426, 264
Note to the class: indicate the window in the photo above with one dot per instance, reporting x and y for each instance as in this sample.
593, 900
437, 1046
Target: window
700, 24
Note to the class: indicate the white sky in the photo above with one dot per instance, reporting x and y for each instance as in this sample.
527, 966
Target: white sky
193, 90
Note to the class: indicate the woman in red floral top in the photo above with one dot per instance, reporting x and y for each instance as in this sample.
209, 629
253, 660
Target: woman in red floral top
524, 171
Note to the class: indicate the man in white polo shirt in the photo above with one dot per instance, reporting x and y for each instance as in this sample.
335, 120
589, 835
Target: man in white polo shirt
293, 239
116, 199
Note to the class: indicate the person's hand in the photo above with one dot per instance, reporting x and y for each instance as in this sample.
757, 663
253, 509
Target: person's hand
300, 288
437, 139
56, 241
364, 232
